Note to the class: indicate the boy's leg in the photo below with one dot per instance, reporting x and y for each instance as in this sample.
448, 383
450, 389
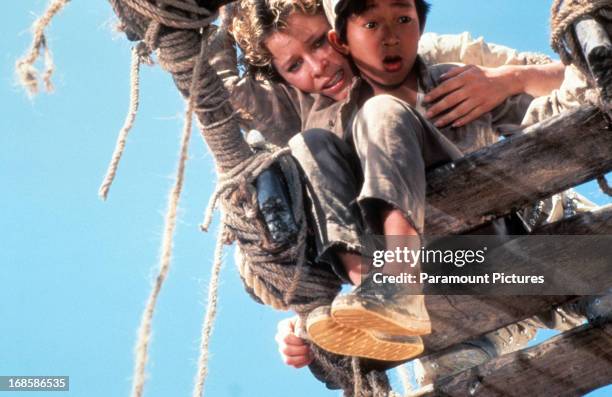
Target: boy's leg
395, 145
333, 179
332, 172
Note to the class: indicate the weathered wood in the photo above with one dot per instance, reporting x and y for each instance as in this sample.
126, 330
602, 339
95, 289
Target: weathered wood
458, 318
462, 317
571, 364
550, 157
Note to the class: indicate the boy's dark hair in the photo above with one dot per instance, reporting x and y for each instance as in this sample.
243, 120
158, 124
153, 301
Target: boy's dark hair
357, 7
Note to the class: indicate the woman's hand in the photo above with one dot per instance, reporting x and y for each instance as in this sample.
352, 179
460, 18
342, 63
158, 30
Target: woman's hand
468, 92
294, 350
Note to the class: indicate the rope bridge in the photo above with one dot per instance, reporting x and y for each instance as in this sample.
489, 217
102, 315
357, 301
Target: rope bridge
177, 31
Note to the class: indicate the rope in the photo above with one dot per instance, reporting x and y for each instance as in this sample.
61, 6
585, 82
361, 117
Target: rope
564, 14
357, 382
276, 275
141, 53
211, 312
138, 57
171, 18
170, 225
26, 72
603, 185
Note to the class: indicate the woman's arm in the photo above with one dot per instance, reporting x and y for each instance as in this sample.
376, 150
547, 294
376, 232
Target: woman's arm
294, 350
468, 92
495, 73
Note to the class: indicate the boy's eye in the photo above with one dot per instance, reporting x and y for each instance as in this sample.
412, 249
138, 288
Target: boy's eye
404, 19
370, 25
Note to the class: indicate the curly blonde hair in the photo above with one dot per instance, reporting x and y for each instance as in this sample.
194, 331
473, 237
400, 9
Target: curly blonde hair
255, 20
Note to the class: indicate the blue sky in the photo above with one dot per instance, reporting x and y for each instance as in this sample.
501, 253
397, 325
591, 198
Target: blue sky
76, 270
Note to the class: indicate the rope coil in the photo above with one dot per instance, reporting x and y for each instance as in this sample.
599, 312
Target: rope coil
276, 275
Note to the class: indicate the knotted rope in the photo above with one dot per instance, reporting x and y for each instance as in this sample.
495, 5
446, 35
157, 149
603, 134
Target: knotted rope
26, 72
564, 14
276, 275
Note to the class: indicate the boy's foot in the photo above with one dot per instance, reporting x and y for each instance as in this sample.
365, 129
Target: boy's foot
383, 308
450, 362
346, 341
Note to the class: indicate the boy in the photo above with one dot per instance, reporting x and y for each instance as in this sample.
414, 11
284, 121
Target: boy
395, 144
381, 37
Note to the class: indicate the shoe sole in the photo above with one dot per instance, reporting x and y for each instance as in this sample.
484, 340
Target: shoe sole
347, 311
338, 339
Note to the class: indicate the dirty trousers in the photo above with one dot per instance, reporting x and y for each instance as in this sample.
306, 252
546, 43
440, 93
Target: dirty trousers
382, 159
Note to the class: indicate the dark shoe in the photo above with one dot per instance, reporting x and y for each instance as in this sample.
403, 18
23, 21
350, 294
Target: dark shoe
598, 308
382, 308
449, 362
336, 338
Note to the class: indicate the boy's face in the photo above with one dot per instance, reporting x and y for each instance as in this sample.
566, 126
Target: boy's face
302, 55
383, 41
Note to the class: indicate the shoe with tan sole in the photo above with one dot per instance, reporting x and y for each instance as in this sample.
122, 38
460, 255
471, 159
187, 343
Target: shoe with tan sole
383, 308
346, 341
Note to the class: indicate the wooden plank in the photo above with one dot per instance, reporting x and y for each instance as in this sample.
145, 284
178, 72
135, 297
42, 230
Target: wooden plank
462, 317
550, 157
456, 318
571, 364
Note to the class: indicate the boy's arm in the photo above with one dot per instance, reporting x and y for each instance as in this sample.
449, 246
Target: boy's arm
470, 91
273, 109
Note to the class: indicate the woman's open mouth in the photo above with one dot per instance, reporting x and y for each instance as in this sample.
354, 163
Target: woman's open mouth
392, 64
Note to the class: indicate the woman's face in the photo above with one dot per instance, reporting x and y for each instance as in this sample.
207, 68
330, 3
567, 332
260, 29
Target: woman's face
302, 55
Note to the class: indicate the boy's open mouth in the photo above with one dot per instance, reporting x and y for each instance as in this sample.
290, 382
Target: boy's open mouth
392, 63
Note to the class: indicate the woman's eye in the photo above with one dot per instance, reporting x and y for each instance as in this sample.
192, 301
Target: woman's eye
404, 19
294, 66
370, 25
319, 43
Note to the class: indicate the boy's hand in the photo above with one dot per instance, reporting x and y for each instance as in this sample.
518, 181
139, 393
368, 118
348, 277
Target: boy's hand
468, 92
293, 350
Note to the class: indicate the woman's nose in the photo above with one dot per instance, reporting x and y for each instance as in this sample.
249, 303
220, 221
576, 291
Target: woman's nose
318, 65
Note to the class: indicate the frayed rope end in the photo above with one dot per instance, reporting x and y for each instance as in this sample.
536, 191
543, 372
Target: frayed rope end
27, 77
